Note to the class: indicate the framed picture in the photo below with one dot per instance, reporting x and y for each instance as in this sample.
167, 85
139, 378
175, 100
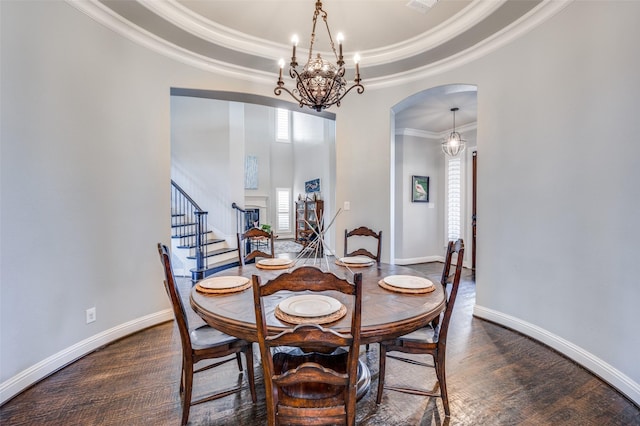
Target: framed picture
420, 189
251, 172
312, 186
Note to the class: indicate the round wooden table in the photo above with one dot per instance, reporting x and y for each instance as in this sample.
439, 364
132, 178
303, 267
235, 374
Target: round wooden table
385, 314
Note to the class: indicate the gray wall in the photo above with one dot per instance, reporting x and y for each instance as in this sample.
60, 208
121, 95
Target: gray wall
419, 227
85, 177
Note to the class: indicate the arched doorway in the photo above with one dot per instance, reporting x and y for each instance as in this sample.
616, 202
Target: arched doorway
421, 228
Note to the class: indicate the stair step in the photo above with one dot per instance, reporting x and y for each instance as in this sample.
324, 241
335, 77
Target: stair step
216, 252
190, 235
178, 225
198, 274
209, 242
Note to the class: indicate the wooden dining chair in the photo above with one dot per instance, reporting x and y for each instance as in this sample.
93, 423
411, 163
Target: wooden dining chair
202, 343
363, 231
313, 388
431, 340
247, 240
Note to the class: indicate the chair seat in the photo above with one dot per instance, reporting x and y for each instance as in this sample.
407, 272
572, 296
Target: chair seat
421, 335
206, 337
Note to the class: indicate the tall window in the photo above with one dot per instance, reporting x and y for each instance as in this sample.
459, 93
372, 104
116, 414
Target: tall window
454, 199
283, 198
282, 125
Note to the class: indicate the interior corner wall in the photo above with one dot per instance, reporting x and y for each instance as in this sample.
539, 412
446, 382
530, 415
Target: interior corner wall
259, 140
419, 226
207, 150
85, 184
557, 177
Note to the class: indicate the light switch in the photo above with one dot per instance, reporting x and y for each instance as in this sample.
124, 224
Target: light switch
347, 205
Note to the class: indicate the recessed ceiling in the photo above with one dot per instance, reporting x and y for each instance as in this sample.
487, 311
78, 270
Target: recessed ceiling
245, 38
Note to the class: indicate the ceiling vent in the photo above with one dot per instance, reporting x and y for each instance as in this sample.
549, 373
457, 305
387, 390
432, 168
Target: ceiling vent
421, 5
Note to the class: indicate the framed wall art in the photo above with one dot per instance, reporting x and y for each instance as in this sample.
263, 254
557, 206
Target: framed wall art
420, 189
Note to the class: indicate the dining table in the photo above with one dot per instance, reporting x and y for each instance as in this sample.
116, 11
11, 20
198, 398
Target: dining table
386, 314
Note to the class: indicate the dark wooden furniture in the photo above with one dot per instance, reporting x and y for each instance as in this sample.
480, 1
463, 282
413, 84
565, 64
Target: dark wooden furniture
311, 389
429, 340
248, 247
363, 231
385, 314
308, 220
203, 343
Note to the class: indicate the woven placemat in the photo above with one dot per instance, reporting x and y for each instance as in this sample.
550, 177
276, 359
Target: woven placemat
311, 320
223, 290
354, 265
384, 285
272, 267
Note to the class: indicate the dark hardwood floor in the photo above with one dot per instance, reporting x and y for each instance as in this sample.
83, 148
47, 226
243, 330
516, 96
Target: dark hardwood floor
495, 377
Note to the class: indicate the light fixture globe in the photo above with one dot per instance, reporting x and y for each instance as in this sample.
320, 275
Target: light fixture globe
320, 83
453, 145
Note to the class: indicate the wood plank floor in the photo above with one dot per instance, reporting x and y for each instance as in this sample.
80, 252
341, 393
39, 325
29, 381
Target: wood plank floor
495, 377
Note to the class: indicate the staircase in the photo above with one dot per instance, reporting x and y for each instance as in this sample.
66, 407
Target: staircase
195, 249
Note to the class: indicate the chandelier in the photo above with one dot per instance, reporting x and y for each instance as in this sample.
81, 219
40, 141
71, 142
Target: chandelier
453, 144
320, 83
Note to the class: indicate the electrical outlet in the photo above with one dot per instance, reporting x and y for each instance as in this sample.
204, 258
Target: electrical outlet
91, 315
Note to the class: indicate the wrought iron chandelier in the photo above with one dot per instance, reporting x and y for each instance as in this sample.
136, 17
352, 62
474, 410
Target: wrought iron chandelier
453, 144
320, 83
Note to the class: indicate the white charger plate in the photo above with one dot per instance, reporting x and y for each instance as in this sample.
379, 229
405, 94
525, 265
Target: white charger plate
310, 305
408, 281
276, 261
220, 283
356, 260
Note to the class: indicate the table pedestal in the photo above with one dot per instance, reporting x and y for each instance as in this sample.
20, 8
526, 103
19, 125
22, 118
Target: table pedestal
289, 358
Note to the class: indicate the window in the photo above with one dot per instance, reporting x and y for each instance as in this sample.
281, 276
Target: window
454, 199
282, 125
283, 199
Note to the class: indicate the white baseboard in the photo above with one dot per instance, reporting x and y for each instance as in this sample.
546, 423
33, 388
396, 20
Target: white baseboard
37, 372
414, 260
606, 372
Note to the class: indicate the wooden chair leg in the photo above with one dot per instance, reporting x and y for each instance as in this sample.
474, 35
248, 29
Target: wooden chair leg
440, 373
381, 371
239, 361
248, 355
186, 396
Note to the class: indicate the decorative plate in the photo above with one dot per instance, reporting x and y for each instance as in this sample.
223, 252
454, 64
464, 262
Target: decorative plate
310, 305
219, 283
276, 261
408, 281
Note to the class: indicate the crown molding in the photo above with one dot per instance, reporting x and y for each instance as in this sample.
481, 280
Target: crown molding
425, 134
105, 16
468, 17
532, 19
213, 32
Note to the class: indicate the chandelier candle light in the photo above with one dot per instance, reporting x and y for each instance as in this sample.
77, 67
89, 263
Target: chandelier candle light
453, 144
320, 83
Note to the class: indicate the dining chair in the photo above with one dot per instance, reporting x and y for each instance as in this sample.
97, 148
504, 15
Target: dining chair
202, 343
309, 389
430, 340
247, 240
363, 231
